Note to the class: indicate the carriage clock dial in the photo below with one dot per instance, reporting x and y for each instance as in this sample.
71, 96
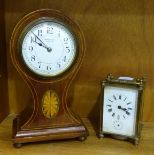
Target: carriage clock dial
47, 49
119, 108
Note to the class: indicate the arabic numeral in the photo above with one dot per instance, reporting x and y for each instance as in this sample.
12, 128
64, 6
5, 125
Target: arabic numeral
65, 40
59, 65
40, 32
48, 68
49, 30
39, 64
68, 50
33, 58
30, 48
33, 39
64, 59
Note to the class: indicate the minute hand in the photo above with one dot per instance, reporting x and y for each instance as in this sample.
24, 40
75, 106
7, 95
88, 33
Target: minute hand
48, 48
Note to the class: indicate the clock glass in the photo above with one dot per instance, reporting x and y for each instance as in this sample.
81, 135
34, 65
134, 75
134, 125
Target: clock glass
120, 106
48, 47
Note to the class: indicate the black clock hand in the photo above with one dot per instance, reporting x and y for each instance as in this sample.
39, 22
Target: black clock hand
42, 44
124, 109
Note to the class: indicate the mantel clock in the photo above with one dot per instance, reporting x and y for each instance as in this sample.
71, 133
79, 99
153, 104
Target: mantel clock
47, 49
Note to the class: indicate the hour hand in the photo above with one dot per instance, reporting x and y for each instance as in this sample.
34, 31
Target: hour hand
41, 43
124, 109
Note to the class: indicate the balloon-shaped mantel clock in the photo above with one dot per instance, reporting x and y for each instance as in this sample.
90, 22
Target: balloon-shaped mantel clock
47, 49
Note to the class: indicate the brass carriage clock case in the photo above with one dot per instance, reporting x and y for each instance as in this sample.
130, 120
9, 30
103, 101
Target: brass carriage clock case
121, 108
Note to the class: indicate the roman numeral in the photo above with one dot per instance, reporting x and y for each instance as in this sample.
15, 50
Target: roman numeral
125, 98
108, 105
127, 113
114, 97
113, 114
110, 110
110, 100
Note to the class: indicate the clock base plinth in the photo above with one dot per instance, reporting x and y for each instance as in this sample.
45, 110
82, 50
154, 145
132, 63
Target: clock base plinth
119, 137
21, 136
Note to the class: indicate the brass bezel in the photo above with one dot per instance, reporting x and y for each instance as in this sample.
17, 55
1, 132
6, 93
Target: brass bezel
137, 83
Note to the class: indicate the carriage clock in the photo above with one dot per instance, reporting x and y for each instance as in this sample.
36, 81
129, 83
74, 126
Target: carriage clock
121, 108
47, 49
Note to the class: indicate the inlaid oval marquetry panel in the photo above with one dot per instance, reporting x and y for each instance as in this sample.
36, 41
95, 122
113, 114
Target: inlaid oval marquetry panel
50, 104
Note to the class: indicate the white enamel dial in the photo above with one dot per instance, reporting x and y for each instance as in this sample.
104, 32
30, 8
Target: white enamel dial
119, 110
48, 48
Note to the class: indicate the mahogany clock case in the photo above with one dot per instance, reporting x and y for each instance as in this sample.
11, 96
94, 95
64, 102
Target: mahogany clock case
32, 125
